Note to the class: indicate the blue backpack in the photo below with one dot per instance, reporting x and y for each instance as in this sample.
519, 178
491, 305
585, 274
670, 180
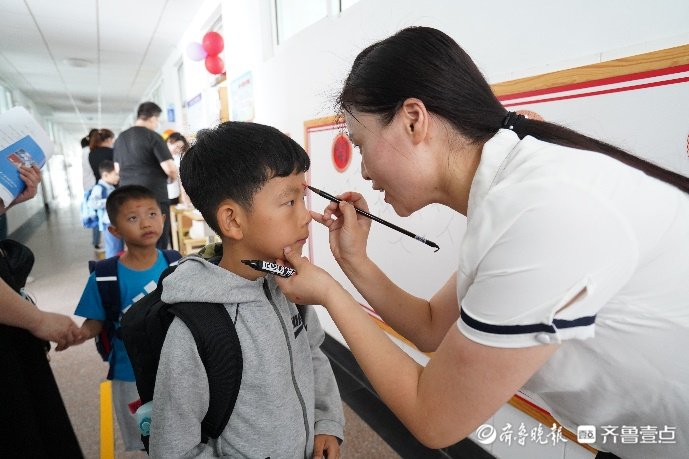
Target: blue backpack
89, 215
109, 290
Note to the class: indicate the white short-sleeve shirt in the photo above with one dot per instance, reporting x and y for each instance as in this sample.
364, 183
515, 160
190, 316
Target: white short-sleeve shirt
570, 246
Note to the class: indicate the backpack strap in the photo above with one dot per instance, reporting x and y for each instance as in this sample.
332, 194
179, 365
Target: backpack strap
172, 256
108, 287
220, 351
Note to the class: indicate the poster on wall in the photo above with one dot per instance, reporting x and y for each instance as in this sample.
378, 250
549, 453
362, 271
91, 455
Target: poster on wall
171, 113
195, 114
242, 98
211, 106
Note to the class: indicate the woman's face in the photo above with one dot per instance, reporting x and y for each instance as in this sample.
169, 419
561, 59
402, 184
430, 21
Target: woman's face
389, 160
175, 147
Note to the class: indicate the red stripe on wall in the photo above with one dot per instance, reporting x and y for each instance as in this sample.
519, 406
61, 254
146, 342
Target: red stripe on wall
600, 82
604, 91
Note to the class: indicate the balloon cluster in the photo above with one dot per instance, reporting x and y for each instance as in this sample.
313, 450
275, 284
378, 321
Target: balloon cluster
209, 48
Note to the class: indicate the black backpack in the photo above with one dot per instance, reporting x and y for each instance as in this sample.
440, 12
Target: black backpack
109, 291
143, 329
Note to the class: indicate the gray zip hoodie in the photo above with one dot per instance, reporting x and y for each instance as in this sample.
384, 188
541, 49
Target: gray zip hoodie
288, 392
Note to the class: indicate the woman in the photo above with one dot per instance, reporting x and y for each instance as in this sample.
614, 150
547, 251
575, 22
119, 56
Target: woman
178, 145
572, 274
88, 180
100, 143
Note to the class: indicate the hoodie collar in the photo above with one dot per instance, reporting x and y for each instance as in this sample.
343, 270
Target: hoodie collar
197, 280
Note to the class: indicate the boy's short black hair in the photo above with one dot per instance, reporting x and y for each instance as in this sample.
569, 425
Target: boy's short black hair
117, 198
148, 110
233, 161
105, 166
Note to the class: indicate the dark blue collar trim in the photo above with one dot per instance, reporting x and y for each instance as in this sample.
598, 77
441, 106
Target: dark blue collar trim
523, 329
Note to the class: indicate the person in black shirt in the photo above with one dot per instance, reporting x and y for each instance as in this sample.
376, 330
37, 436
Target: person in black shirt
100, 143
145, 160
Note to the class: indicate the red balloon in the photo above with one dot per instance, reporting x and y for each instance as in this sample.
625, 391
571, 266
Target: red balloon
215, 65
213, 43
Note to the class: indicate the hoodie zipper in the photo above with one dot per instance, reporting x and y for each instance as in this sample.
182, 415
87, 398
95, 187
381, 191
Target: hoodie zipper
266, 290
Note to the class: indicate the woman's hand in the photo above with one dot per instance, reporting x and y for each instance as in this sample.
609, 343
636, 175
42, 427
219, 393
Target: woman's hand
31, 176
348, 230
310, 285
57, 328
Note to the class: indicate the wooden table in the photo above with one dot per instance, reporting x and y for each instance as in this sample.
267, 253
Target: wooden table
181, 221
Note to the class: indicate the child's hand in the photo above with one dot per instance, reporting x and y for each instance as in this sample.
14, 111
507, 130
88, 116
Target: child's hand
326, 446
81, 335
84, 335
78, 336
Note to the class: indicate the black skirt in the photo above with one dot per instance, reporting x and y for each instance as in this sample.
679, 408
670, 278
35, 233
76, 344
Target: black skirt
33, 418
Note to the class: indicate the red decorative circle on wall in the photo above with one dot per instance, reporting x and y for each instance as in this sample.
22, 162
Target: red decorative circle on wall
341, 152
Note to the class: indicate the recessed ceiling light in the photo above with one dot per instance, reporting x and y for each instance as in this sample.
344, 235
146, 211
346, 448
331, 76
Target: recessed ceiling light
77, 62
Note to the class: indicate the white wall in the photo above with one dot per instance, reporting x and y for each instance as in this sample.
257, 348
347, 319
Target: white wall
299, 79
507, 40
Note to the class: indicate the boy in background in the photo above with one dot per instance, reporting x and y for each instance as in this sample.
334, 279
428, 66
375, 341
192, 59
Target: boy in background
109, 178
135, 218
248, 182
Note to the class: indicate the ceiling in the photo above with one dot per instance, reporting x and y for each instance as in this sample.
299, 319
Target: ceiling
81, 61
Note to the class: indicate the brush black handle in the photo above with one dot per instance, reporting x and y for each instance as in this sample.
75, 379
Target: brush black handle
377, 219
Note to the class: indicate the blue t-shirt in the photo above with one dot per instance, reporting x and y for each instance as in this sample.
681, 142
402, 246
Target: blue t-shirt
134, 285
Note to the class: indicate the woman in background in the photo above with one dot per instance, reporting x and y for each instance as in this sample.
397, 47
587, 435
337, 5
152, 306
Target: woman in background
100, 143
178, 145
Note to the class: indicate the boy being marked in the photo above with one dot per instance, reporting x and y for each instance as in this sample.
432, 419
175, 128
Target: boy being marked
248, 181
